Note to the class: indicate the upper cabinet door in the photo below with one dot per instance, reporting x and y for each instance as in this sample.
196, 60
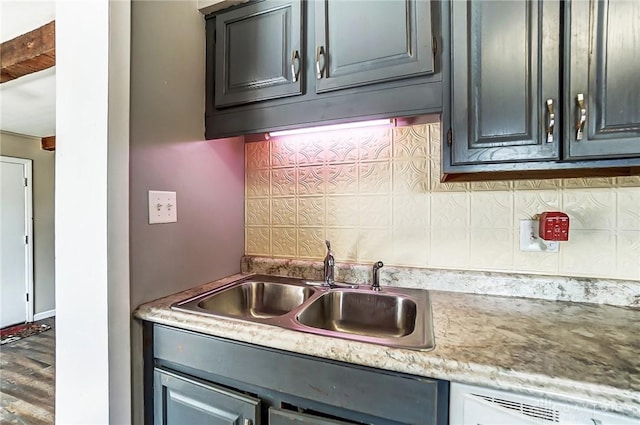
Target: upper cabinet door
603, 64
505, 81
359, 43
259, 52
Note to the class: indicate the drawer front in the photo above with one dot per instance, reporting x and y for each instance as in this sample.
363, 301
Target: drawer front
281, 417
181, 400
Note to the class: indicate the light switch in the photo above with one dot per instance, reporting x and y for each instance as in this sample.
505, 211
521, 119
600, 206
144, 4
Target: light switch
163, 207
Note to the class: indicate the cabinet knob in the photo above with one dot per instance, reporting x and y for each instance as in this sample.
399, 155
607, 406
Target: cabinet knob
295, 56
319, 69
551, 120
582, 117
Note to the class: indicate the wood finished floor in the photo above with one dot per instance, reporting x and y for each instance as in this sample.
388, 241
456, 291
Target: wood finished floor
27, 379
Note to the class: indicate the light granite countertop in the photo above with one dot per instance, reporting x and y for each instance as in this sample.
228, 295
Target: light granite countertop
580, 353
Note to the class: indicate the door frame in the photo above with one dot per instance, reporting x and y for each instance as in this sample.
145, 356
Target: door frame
27, 167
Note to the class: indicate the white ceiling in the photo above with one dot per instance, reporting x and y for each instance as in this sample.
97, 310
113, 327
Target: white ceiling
27, 104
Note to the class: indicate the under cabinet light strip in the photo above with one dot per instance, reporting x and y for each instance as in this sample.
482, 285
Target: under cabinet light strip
348, 125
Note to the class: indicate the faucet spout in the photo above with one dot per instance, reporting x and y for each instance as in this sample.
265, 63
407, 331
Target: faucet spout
329, 266
375, 281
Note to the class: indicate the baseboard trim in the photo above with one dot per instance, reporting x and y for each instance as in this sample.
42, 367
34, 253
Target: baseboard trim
44, 315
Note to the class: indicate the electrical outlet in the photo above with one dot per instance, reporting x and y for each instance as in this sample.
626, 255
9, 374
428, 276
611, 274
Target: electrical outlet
163, 207
530, 241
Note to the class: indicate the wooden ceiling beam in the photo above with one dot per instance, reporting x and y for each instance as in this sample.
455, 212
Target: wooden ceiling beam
48, 143
28, 53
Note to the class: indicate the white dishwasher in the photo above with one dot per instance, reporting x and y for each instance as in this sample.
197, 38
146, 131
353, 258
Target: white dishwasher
471, 405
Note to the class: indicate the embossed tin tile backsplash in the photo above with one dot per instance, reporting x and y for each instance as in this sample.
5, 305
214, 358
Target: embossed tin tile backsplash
376, 194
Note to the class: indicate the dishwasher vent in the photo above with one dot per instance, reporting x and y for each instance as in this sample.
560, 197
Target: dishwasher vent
544, 413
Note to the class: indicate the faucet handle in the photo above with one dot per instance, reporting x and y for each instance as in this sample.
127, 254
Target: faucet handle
328, 243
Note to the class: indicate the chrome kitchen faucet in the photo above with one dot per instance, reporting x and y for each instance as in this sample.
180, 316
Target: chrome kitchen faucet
329, 266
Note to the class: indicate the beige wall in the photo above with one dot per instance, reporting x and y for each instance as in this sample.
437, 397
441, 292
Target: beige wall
43, 213
168, 152
376, 195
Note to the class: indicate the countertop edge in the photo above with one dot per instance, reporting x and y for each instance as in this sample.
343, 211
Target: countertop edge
601, 397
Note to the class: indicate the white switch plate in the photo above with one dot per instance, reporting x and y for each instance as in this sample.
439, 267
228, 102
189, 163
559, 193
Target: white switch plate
529, 240
163, 207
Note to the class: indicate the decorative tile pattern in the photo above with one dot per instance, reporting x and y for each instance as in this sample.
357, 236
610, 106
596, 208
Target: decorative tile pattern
283, 152
532, 202
410, 211
257, 183
374, 177
374, 211
589, 253
284, 242
311, 180
628, 208
587, 182
256, 155
311, 243
311, 211
283, 182
257, 212
491, 249
411, 142
257, 240
449, 210
628, 258
492, 185
342, 211
590, 208
342, 179
491, 210
411, 176
631, 181
376, 194
283, 212
537, 184
374, 245
375, 145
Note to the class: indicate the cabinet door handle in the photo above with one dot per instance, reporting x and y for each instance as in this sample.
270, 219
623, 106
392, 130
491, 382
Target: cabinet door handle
582, 118
551, 120
319, 69
295, 56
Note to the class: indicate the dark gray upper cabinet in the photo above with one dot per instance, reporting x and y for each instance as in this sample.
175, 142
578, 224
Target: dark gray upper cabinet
376, 59
504, 80
533, 95
181, 400
603, 64
259, 52
359, 43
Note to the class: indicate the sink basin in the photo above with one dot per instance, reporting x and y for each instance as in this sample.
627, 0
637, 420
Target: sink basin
362, 313
256, 299
394, 317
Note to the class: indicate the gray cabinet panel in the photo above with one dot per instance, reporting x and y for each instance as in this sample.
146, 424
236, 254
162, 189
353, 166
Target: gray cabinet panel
505, 66
259, 53
280, 417
603, 60
359, 43
179, 400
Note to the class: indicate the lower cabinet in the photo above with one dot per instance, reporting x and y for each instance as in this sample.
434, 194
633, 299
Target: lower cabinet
183, 400
193, 378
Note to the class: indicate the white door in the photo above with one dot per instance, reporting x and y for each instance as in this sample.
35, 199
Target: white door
16, 255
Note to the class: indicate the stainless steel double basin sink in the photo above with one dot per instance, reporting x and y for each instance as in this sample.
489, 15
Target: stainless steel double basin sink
395, 317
